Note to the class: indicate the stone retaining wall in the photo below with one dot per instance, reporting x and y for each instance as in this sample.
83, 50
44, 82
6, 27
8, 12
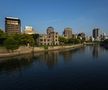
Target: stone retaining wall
25, 50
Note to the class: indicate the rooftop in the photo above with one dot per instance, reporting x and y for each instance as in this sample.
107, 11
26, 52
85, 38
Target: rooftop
12, 18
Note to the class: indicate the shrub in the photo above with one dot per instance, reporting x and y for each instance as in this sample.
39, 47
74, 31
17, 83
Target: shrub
45, 47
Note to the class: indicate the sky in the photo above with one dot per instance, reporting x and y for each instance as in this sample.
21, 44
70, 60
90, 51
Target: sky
80, 15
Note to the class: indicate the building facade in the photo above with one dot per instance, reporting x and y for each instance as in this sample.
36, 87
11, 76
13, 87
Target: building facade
67, 33
54, 36
44, 40
29, 30
96, 33
12, 25
51, 38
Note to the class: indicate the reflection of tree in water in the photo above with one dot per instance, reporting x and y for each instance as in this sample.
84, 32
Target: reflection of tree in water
50, 58
16, 64
68, 54
81, 50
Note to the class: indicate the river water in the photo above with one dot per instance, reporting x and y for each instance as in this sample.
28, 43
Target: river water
81, 69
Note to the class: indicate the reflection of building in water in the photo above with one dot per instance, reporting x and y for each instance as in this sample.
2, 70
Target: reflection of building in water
96, 51
81, 50
67, 55
16, 64
50, 58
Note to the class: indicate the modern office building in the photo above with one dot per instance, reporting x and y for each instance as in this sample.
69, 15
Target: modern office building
29, 30
12, 25
96, 33
67, 32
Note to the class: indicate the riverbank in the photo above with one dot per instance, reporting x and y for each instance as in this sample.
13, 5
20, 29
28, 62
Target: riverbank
25, 50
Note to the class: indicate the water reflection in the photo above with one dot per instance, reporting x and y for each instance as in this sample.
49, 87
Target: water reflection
50, 59
73, 69
16, 64
97, 51
68, 55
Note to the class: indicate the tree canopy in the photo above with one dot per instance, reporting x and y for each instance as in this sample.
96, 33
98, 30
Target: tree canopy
11, 44
63, 40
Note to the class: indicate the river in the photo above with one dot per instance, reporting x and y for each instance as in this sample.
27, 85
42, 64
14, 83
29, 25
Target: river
81, 69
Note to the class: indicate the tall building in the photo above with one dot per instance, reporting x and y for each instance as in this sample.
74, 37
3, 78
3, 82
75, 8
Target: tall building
50, 29
67, 32
12, 25
29, 30
96, 33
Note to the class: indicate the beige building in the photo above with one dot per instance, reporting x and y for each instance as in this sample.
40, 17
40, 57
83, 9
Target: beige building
67, 33
29, 30
44, 40
51, 38
54, 36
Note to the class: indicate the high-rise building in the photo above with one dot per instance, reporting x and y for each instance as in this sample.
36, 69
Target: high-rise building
96, 33
67, 32
12, 25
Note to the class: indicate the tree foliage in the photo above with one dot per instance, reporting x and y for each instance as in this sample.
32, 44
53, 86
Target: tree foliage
105, 42
2, 37
70, 40
11, 44
13, 41
63, 40
26, 39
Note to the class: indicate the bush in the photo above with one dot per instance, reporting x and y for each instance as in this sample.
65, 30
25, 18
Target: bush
45, 47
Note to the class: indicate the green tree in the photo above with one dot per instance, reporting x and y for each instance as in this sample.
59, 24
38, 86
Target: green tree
105, 42
35, 37
11, 44
77, 41
27, 39
74, 41
2, 37
63, 40
17, 37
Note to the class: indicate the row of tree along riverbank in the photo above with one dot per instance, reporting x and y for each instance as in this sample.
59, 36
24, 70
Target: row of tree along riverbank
24, 50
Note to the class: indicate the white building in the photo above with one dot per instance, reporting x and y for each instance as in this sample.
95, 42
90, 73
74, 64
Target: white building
29, 30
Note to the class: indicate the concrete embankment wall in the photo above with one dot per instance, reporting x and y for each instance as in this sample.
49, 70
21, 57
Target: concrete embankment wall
25, 50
